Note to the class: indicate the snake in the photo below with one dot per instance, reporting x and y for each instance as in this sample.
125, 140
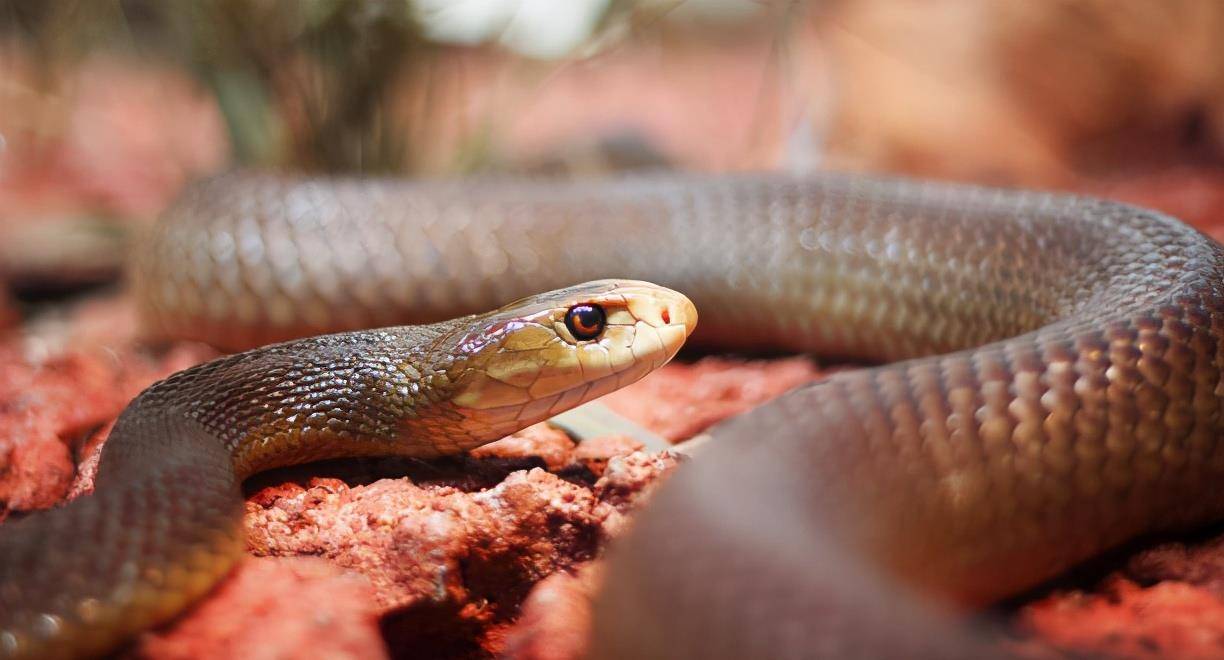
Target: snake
1047, 387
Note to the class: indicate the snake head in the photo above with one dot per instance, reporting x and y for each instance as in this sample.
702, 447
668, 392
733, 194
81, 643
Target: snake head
547, 353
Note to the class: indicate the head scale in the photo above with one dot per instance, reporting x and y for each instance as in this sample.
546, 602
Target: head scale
547, 353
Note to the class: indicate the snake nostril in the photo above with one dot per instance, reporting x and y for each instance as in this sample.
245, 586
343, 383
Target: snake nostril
666, 315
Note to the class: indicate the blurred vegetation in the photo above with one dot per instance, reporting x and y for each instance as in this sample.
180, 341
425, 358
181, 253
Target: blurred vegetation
322, 85
301, 82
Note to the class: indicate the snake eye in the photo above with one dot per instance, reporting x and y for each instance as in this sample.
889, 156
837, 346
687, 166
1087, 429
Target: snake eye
585, 321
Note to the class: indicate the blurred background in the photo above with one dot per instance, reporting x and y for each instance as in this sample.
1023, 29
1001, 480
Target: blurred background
108, 107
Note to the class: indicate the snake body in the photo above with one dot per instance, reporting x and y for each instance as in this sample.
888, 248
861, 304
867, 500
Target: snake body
1054, 387
164, 523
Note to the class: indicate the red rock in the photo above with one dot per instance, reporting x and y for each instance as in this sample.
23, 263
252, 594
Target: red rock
35, 467
277, 608
51, 399
440, 559
595, 453
627, 480
556, 617
539, 440
410, 540
1125, 620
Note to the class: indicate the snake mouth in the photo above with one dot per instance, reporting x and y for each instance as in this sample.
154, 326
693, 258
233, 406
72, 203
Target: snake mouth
523, 365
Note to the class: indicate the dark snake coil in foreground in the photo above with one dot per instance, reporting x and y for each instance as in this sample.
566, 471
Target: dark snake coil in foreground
1059, 392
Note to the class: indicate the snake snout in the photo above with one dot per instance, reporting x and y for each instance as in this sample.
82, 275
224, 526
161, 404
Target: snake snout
668, 311
674, 318
664, 307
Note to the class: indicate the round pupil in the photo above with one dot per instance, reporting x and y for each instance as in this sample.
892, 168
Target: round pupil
585, 321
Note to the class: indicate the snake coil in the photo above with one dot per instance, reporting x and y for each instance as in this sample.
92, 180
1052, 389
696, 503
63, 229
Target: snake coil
1054, 386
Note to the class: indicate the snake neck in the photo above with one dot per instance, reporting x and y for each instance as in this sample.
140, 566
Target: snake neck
350, 394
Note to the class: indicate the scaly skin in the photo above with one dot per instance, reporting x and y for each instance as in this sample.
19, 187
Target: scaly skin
164, 523
1059, 391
